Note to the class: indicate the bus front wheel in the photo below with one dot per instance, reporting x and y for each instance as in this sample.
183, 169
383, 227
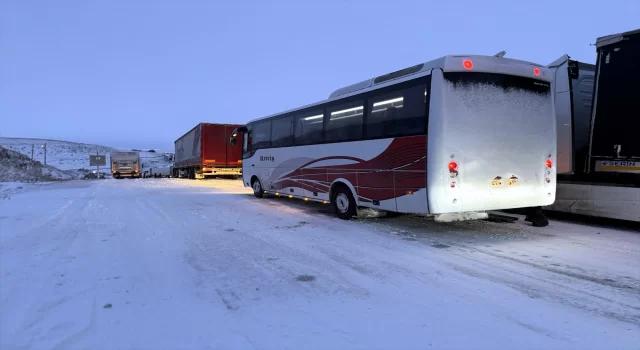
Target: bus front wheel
257, 188
343, 202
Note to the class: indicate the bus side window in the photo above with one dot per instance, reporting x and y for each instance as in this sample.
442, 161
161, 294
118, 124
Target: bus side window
281, 132
260, 136
397, 113
309, 127
344, 122
246, 145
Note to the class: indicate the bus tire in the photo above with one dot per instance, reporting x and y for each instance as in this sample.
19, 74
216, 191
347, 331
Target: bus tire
343, 202
257, 188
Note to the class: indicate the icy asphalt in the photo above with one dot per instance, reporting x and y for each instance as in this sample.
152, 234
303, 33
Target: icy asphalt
178, 264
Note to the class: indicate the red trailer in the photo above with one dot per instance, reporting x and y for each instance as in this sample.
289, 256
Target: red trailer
204, 151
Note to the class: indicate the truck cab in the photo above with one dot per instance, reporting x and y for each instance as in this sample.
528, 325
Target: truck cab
125, 164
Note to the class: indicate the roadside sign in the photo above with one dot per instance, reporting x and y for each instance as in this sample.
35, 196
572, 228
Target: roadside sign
97, 160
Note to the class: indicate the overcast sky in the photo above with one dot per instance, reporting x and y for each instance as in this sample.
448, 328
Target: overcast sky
138, 73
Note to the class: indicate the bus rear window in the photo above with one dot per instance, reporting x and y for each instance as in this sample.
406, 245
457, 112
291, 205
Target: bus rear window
504, 81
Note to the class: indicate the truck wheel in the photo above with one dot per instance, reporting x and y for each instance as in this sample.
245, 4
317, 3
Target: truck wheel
343, 202
257, 188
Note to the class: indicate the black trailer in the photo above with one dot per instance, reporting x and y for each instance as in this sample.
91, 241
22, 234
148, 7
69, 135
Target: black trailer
598, 117
615, 133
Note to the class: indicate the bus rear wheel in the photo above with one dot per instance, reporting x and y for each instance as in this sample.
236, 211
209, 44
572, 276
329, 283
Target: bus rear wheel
257, 188
343, 202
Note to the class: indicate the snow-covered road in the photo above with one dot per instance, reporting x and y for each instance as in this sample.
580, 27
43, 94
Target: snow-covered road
178, 264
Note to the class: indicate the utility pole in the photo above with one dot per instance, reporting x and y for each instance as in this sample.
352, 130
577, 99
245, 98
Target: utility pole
45, 153
32, 147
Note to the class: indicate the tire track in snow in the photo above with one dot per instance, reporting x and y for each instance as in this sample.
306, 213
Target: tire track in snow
62, 229
607, 295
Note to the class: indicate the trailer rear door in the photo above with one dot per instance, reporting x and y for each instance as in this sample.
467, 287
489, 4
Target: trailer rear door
616, 124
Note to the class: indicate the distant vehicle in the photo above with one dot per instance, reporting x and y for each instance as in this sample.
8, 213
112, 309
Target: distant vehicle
158, 172
204, 152
598, 147
125, 164
95, 175
459, 134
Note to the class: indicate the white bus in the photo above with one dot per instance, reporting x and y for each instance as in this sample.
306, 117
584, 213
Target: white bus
456, 135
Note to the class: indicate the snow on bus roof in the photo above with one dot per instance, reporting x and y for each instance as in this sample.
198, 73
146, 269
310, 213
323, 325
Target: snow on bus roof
388, 79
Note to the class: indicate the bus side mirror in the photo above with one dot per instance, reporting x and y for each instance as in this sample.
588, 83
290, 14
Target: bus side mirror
232, 138
234, 135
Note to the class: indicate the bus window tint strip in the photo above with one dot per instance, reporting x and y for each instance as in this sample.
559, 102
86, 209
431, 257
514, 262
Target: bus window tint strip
396, 111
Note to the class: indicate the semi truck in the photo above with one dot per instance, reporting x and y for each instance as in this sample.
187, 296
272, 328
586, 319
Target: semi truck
597, 108
204, 152
125, 164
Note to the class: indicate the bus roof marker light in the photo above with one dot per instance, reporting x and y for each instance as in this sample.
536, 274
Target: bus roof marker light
467, 64
536, 71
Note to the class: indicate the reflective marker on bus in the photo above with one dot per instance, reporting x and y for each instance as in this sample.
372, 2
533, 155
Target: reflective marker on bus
458, 134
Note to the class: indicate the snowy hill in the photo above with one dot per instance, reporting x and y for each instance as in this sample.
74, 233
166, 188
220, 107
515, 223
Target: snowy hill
17, 167
67, 155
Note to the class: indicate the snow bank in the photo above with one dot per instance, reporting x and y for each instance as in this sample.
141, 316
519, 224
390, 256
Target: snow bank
16, 167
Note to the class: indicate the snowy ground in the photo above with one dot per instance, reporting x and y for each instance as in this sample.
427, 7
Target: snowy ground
67, 155
168, 264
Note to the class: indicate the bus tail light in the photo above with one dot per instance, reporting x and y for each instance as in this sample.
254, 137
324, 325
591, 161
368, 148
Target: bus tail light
548, 164
536, 71
453, 173
467, 64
